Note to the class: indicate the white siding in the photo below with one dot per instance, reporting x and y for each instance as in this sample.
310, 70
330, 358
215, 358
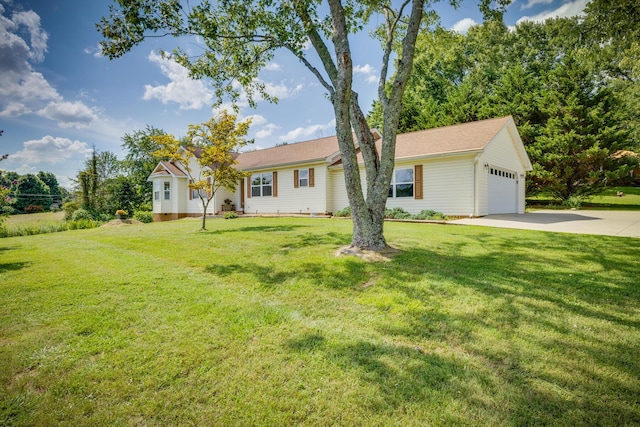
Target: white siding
305, 200
447, 187
338, 198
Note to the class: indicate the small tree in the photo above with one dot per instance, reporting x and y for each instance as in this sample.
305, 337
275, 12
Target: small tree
212, 146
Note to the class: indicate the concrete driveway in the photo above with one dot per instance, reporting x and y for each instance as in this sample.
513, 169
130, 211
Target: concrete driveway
610, 223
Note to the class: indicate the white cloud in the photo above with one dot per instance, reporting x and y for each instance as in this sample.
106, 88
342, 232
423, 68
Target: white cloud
310, 132
463, 25
95, 51
367, 71
267, 131
62, 154
188, 93
38, 37
281, 91
532, 3
256, 119
565, 11
69, 114
273, 66
22, 90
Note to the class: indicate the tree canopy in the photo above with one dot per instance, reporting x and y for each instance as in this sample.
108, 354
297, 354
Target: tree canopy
572, 108
209, 158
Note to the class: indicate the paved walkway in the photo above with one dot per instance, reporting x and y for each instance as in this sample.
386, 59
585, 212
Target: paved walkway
610, 223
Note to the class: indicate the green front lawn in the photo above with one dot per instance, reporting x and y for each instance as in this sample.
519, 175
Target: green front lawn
256, 322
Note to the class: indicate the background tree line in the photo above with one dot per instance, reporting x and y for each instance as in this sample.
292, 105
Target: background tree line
107, 184
571, 85
103, 185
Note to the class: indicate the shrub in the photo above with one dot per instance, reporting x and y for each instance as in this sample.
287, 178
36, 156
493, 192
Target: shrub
122, 212
33, 209
143, 216
430, 214
573, 202
69, 208
80, 214
343, 212
396, 213
82, 223
8, 210
230, 215
33, 228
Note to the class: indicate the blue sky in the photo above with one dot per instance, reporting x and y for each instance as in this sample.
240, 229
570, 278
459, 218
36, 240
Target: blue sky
59, 97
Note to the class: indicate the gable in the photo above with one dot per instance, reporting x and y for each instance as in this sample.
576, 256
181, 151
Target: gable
167, 169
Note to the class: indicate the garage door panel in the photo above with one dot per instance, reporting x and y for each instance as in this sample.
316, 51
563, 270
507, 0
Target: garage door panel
503, 191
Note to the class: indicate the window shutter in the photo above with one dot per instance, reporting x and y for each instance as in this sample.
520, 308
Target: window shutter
296, 181
275, 184
417, 177
190, 190
311, 178
248, 187
210, 192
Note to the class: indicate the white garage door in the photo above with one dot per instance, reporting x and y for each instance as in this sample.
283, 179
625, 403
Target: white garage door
503, 191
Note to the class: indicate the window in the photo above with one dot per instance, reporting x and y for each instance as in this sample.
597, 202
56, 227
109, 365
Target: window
401, 183
262, 184
167, 190
195, 194
303, 178
156, 191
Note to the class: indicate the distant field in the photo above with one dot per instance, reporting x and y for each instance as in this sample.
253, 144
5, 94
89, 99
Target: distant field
35, 218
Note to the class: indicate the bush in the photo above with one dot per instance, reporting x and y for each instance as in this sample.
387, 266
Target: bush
81, 214
33, 228
396, 213
82, 223
102, 217
573, 202
343, 212
33, 209
429, 214
230, 215
143, 216
8, 210
69, 208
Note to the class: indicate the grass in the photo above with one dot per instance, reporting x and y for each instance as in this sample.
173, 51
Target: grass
36, 218
608, 199
255, 322
41, 223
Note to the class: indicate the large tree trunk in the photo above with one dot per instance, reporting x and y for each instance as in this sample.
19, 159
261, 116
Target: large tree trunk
368, 220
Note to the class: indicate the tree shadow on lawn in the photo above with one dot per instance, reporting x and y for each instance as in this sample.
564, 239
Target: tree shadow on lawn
343, 274
256, 228
549, 341
402, 375
335, 273
13, 266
